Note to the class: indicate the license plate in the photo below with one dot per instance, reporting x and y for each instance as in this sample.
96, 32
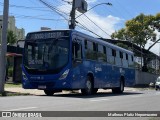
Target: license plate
42, 87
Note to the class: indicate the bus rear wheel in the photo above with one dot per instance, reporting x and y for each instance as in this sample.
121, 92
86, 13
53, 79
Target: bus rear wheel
119, 89
88, 90
95, 90
49, 92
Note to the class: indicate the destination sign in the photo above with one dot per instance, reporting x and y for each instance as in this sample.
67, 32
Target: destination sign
47, 35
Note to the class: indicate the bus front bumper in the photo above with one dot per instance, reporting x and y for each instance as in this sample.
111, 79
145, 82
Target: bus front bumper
49, 85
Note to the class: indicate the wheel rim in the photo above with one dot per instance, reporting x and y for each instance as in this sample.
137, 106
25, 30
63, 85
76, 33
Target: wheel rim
122, 88
88, 85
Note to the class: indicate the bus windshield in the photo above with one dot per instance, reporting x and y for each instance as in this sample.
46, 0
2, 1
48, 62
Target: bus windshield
46, 56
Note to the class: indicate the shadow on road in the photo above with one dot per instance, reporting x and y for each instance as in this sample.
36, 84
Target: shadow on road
99, 94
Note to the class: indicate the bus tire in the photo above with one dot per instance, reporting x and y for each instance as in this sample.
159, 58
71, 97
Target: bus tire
49, 92
119, 89
95, 90
88, 90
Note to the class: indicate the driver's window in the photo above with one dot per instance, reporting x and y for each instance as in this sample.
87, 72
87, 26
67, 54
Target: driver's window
76, 50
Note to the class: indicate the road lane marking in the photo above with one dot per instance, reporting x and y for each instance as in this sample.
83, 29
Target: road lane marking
96, 100
20, 109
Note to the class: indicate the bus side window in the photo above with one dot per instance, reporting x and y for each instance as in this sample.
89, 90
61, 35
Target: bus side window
130, 61
124, 60
90, 50
76, 51
110, 58
121, 57
101, 53
118, 58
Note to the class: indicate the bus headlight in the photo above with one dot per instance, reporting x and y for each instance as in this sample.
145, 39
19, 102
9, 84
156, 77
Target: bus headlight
24, 76
64, 75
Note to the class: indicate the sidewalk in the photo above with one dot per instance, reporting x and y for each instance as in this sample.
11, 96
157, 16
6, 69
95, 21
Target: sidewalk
41, 92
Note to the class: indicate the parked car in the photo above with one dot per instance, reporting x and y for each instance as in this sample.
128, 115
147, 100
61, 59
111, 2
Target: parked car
157, 84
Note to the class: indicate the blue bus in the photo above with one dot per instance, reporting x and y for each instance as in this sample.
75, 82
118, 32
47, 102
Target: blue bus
59, 60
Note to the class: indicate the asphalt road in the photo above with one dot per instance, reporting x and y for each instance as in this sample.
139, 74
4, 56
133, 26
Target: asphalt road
146, 100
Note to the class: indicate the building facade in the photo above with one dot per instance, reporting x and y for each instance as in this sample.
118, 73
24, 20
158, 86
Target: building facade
19, 32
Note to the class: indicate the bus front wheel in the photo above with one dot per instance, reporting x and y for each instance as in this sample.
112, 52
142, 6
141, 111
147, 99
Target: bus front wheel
49, 92
88, 90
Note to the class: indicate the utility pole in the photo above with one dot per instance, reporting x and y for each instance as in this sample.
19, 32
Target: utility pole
3, 48
79, 5
72, 15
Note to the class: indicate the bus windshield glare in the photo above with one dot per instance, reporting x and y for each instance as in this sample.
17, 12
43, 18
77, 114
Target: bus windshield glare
46, 56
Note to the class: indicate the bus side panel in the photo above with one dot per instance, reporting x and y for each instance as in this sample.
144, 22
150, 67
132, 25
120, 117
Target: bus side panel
115, 76
80, 73
78, 77
130, 77
102, 75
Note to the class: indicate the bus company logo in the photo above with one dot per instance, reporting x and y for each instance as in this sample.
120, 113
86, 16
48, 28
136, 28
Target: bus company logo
6, 114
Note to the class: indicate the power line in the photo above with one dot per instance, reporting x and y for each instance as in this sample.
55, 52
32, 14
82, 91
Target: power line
97, 25
34, 17
83, 27
12, 5
33, 8
62, 5
85, 22
54, 9
39, 18
67, 2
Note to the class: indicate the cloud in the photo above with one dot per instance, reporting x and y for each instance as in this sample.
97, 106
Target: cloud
107, 23
91, 1
156, 48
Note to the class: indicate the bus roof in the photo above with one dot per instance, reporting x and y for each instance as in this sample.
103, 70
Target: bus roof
103, 42
91, 38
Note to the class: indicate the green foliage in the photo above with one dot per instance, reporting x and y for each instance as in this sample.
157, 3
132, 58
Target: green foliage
122, 45
138, 30
122, 34
11, 37
10, 72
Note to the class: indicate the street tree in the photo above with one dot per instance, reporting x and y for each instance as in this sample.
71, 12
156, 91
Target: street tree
121, 34
137, 30
123, 45
11, 37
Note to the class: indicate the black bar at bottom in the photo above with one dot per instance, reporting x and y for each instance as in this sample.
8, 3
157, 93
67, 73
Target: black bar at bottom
80, 114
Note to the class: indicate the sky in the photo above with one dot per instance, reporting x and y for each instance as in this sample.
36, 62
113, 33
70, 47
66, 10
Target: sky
32, 15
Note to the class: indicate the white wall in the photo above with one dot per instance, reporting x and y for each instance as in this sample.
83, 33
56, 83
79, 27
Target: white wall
144, 78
